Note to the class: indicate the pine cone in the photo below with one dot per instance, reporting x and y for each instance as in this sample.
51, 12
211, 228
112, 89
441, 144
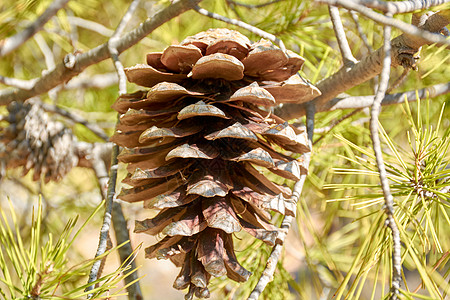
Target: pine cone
192, 143
33, 141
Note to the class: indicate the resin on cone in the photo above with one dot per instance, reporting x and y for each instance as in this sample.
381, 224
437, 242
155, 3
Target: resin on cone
195, 143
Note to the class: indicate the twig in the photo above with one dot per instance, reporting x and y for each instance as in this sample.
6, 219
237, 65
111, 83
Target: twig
99, 81
435, 266
267, 274
126, 18
116, 213
98, 28
243, 25
251, 6
74, 65
98, 164
114, 53
334, 124
73, 32
400, 7
18, 83
46, 51
361, 33
339, 32
364, 70
410, 29
122, 234
109, 246
90, 25
104, 231
77, 119
119, 222
389, 200
367, 101
12, 43
399, 80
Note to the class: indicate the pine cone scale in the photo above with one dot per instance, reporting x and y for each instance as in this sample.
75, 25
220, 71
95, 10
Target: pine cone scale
192, 142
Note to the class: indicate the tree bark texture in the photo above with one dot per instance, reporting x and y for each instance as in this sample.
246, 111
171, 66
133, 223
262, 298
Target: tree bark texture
403, 49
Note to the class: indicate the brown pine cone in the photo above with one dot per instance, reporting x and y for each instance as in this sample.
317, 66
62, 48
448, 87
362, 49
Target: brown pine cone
195, 143
33, 141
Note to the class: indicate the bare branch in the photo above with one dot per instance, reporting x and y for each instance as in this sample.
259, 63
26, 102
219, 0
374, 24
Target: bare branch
120, 224
367, 101
76, 118
339, 32
334, 124
120, 70
242, 24
46, 51
113, 50
18, 83
398, 81
99, 28
126, 18
90, 25
104, 231
73, 32
410, 29
403, 48
389, 200
12, 43
76, 64
400, 7
360, 31
109, 246
250, 6
122, 233
271, 265
98, 81
439, 263
98, 164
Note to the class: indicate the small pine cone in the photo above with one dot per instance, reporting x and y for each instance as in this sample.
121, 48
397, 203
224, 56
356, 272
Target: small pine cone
33, 141
192, 143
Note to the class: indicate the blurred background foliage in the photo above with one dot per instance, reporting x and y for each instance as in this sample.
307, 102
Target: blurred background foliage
339, 246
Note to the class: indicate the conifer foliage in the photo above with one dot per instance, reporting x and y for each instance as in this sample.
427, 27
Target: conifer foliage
197, 141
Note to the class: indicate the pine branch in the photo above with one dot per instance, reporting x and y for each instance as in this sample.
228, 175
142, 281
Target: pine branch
18, 83
399, 7
403, 48
335, 123
106, 224
76, 118
114, 52
367, 101
46, 51
12, 43
339, 32
98, 81
90, 25
75, 64
389, 200
122, 233
113, 207
119, 222
251, 6
98, 164
243, 25
389, 21
360, 31
271, 265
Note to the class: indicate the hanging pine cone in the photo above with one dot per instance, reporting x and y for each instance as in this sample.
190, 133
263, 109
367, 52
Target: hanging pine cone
33, 141
192, 143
